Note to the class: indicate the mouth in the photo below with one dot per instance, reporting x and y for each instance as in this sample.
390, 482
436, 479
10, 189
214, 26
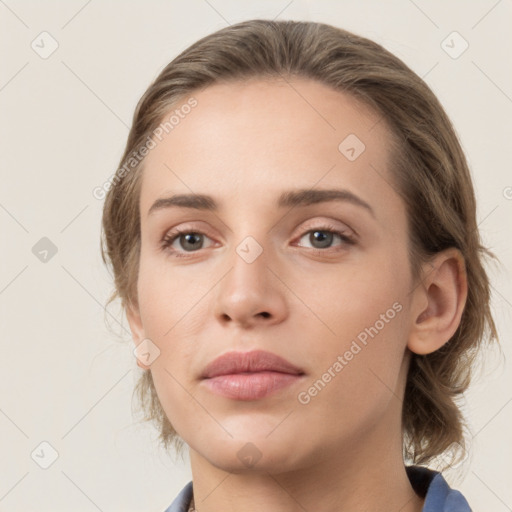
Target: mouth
249, 375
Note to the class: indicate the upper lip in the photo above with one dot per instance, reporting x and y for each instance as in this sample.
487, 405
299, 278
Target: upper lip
254, 361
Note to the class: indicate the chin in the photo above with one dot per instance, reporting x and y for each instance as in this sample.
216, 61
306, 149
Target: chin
252, 453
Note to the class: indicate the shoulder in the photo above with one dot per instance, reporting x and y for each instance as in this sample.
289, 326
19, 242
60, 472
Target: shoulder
439, 496
182, 501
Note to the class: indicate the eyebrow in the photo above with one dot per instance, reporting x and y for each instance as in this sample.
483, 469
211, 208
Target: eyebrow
288, 199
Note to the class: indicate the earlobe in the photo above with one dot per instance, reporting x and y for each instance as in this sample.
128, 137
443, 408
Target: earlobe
438, 302
137, 330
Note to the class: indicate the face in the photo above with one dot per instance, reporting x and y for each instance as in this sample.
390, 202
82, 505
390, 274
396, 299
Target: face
322, 282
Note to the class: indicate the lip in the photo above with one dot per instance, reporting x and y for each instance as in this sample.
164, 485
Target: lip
249, 375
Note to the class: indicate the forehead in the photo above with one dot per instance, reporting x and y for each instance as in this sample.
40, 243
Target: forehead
253, 139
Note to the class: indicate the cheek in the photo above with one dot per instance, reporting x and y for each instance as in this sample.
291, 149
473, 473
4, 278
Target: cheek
168, 298
365, 310
171, 313
356, 380
351, 299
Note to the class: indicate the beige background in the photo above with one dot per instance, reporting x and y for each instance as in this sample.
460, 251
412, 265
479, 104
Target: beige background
65, 379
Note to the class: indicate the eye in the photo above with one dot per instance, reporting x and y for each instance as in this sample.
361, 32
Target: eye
179, 242
322, 237
186, 240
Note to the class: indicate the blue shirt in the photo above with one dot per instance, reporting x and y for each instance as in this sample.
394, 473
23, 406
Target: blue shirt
431, 485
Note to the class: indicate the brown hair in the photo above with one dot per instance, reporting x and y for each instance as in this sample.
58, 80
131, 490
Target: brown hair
429, 168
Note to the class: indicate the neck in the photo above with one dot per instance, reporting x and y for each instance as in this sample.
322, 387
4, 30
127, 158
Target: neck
365, 477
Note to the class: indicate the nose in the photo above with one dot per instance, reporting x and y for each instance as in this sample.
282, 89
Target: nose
251, 294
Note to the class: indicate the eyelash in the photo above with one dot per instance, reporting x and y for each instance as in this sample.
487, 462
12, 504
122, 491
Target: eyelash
170, 237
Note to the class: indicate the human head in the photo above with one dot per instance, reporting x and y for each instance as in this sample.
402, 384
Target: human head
428, 167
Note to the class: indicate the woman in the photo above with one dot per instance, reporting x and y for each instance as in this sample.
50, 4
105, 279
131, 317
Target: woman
293, 236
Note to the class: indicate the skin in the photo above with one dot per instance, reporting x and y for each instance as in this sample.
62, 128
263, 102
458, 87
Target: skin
244, 144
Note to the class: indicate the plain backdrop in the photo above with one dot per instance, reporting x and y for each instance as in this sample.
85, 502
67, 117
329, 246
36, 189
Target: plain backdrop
71, 74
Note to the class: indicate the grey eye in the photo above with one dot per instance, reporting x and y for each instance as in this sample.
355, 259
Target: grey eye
191, 241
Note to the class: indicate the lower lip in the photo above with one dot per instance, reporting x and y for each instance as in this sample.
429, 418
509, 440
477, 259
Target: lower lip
250, 386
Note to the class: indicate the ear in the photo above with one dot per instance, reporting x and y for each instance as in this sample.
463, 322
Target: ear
137, 329
438, 302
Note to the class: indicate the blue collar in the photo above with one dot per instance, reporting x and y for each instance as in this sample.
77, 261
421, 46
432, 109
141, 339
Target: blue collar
431, 485
439, 496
